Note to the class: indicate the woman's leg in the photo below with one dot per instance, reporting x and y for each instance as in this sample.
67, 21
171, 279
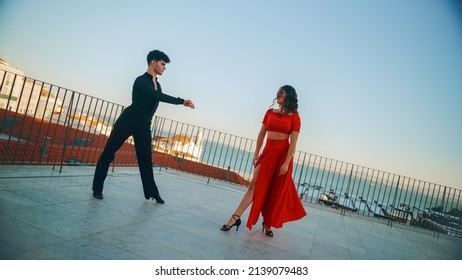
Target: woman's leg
248, 197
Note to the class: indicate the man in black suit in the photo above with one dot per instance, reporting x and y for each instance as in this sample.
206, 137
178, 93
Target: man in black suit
136, 120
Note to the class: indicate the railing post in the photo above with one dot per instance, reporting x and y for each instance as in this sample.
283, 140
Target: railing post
227, 173
67, 120
390, 223
43, 151
301, 172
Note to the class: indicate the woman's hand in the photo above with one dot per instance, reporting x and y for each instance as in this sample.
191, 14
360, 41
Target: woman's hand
255, 160
284, 169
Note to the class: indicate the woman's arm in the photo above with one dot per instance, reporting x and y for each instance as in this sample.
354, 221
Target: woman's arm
261, 136
290, 153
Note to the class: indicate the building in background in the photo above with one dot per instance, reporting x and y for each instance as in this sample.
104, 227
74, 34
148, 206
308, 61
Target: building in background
180, 146
9, 77
24, 95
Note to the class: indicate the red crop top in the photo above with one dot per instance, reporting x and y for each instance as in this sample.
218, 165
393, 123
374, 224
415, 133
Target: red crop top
281, 123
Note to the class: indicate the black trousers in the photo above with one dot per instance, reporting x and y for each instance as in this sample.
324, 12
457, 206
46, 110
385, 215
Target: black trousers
128, 124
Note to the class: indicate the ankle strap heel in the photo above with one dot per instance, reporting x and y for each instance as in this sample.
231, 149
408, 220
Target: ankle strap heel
237, 223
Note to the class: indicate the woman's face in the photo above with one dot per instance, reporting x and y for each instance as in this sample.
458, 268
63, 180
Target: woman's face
280, 97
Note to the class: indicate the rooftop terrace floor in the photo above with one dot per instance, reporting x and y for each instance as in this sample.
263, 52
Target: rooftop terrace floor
49, 215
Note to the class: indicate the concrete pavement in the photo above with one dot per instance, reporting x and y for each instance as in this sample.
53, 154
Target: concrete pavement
49, 215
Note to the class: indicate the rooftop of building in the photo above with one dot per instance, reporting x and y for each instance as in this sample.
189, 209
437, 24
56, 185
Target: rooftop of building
47, 214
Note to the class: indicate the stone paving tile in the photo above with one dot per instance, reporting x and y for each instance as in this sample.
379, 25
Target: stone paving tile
18, 237
10, 200
144, 248
86, 248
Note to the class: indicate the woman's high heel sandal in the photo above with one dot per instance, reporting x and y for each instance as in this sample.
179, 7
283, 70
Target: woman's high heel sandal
268, 232
237, 223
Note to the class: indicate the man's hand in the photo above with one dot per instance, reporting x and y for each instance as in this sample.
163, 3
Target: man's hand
188, 103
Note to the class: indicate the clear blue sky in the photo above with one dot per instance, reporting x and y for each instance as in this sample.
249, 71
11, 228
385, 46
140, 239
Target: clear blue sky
379, 82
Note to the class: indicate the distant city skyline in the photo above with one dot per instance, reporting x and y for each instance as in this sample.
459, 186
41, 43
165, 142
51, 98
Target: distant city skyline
378, 82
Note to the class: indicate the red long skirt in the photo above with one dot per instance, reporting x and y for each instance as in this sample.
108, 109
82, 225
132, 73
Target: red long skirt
275, 195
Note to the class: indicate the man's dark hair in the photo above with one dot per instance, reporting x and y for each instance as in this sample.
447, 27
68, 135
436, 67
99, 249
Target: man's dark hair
157, 56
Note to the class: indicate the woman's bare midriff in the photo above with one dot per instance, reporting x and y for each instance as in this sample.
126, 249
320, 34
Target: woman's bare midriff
277, 135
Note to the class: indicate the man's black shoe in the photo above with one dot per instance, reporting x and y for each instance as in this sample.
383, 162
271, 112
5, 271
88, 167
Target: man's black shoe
98, 195
157, 199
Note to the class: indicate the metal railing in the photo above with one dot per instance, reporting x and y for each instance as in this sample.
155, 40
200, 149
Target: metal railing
45, 124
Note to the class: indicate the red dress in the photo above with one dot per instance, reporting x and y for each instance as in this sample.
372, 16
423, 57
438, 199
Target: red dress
275, 195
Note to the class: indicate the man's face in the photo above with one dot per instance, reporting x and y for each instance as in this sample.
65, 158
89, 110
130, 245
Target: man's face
158, 66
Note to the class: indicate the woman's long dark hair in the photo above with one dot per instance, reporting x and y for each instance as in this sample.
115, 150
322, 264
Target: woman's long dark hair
290, 104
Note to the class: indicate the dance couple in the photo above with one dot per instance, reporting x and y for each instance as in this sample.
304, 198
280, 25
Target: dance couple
271, 191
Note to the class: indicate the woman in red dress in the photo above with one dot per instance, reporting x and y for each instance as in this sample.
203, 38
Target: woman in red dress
272, 190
